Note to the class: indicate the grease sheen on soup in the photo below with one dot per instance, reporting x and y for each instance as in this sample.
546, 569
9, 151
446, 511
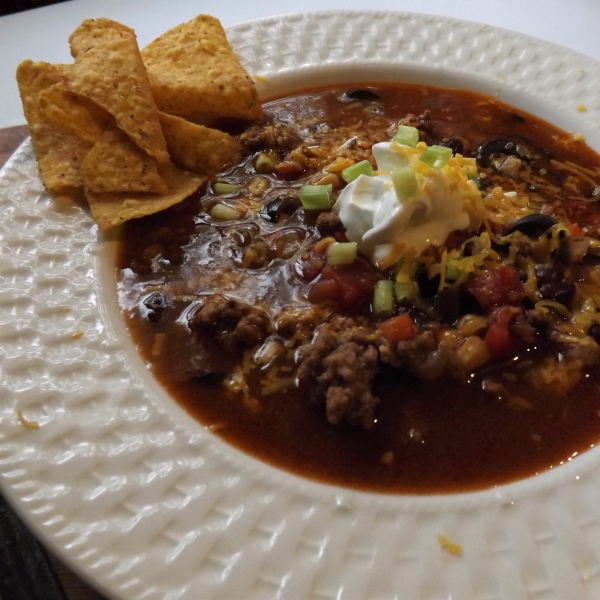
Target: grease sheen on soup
246, 325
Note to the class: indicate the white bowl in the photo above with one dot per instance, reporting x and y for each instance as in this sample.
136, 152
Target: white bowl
144, 502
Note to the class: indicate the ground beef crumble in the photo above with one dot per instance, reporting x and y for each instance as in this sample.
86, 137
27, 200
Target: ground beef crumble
423, 357
235, 324
275, 135
329, 223
343, 360
347, 376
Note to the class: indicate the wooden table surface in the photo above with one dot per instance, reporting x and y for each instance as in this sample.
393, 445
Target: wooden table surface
74, 587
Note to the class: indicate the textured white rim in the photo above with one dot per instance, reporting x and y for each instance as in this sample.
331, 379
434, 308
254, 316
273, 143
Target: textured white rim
144, 502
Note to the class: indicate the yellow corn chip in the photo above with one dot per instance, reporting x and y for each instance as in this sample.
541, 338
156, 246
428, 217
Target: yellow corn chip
59, 154
109, 210
116, 164
197, 148
109, 71
194, 73
73, 113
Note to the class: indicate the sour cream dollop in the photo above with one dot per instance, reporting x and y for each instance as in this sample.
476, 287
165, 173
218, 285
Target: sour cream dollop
379, 222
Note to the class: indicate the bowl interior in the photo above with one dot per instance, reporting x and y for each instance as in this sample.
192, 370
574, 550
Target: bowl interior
313, 77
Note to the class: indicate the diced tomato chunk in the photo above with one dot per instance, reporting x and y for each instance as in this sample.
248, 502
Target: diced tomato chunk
575, 229
350, 286
501, 342
324, 290
398, 328
496, 288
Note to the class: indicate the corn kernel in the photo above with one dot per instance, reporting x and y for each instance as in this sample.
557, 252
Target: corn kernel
339, 164
472, 325
473, 353
450, 337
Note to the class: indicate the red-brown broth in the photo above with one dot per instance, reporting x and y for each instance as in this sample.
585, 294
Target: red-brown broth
445, 437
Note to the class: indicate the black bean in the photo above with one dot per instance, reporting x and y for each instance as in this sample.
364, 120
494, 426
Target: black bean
427, 287
447, 304
280, 208
594, 331
550, 273
174, 254
154, 305
363, 95
455, 144
208, 377
420, 317
560, 291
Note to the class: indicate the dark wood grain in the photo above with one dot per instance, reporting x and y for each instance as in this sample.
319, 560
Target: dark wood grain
26, 573
8, 7
10, 139
74, 587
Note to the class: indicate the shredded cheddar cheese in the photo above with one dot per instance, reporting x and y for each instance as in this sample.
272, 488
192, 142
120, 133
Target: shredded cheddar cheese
448, 546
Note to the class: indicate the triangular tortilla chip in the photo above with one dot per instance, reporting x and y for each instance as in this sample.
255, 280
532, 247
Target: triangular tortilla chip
109, 210
197, 148
194, 73
116, 164
59, 154
109, 71
73, 113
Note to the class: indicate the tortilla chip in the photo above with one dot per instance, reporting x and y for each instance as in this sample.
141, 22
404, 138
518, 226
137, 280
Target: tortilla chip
116, 164
109, 210
59, 154
197, 148
73, 113
194, 73
109, 71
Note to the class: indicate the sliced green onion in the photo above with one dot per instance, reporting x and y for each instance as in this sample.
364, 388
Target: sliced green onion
413, 267
363, 167
452, 270
405, 183
407, 136
383, 299
341, 253
436, 156
405, 290
264, 163
221, 188
314, 197
222, 212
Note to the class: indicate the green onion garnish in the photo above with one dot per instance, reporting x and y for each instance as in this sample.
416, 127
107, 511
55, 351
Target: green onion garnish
363, 167
383, 299
315, 197
264, 163
222, 212
405, 290
436, 156
405, 183
407, 136
221, 188
341, 253
452, 270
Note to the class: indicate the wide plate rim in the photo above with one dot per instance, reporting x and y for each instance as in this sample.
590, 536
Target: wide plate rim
345, 500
